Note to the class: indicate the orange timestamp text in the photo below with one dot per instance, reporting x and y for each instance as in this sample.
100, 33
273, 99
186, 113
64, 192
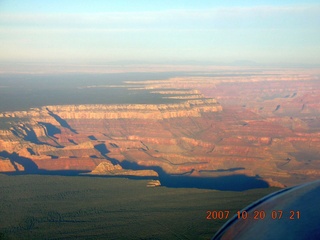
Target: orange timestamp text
255, 215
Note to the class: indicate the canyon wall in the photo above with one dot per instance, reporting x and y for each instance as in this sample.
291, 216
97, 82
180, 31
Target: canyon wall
265, 127
188, 108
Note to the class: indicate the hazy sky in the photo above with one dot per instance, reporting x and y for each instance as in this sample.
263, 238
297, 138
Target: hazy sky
165, 31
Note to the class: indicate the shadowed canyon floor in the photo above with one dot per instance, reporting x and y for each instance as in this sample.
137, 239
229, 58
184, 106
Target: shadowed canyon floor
220, 131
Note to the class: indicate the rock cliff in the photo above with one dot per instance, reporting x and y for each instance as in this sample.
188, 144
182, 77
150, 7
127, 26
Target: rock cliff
266, 126
7, 166
107, 168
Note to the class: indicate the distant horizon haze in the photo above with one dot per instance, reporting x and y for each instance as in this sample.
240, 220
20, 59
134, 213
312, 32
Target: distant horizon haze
264, 33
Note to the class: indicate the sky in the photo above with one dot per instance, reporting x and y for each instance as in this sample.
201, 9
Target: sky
166, 31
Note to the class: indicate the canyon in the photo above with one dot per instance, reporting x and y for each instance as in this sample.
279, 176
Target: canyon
263, 125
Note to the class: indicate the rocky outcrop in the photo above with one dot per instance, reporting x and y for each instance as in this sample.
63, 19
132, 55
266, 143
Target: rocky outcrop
154, 183
107, 168
8, 166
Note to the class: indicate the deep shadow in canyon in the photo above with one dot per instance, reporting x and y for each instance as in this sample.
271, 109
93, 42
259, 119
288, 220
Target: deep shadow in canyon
31, 168
61, 121
104, 151
30, 135
237, 182
28, 164
51, 129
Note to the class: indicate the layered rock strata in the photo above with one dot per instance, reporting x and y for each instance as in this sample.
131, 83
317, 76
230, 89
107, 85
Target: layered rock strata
188, 108
264, 126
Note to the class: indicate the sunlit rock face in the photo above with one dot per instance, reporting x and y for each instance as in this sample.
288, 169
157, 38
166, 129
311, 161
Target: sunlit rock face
107, 168
8, 166
265, 126
189, 108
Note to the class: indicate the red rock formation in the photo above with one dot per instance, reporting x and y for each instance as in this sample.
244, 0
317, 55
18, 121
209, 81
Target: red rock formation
107, 168
7, 166
262, 125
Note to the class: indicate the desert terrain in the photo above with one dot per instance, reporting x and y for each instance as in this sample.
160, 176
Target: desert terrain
249, 127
